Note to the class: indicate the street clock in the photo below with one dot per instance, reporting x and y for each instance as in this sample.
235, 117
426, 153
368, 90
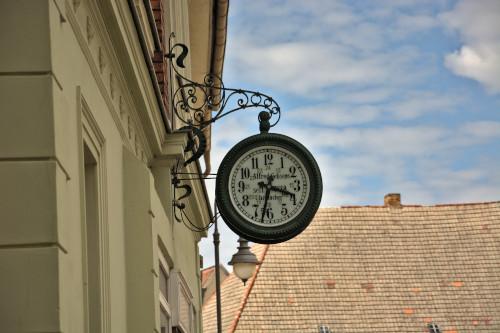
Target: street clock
268, 188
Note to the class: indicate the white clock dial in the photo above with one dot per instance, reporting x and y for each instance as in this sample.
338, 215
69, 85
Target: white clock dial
268, 186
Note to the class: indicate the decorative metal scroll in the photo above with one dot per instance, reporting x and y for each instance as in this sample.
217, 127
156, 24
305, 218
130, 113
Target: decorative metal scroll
191, 100
199, 104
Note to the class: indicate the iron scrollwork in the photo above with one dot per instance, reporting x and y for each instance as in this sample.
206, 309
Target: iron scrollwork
192, 100
199, 104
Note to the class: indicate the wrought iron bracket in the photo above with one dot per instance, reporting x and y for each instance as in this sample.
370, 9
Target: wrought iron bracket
199, 104
191, 101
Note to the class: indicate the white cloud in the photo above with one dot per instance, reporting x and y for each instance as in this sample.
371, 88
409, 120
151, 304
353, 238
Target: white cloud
364, 96
384, 140
308, 68
330, 114
416, 104
355, 110
478, 23
482, 129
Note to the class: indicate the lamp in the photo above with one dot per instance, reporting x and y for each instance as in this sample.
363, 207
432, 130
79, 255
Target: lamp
244, 261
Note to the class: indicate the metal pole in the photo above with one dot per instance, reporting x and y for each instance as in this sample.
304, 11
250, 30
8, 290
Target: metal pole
217, 271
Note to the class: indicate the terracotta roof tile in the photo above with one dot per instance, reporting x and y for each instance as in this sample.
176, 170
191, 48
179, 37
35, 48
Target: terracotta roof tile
377, 269
206, 275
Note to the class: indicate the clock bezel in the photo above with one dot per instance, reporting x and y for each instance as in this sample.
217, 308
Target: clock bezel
259, 233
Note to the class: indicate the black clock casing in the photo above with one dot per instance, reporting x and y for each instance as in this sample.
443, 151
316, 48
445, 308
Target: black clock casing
274, 166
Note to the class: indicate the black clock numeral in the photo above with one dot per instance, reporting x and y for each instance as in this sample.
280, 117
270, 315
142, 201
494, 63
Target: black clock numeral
296, 185
255, 162
245, 173
268, 159
245, 201
269, 213
256, 213
292, 170
294, 200
282, 164
284, 210
241, 186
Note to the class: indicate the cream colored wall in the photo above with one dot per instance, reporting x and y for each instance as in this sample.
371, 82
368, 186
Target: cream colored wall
61, 68
29, 240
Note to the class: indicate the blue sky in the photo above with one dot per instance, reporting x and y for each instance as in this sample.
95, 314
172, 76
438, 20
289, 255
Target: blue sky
390, 96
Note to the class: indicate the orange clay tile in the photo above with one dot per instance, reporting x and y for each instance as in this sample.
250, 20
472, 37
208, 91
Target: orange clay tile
408, 311
330, 284
368, 287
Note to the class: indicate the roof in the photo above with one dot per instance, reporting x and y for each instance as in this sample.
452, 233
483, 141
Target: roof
379, 269
207, 274
208, 281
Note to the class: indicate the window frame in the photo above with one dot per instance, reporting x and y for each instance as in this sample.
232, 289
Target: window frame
163, 300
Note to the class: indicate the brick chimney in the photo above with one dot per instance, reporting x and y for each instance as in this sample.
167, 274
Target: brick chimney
392, 200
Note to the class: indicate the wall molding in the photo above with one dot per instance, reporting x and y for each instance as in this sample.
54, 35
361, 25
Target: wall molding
92, 136
96, 47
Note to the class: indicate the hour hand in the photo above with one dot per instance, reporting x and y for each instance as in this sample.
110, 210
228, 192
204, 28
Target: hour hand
277, 189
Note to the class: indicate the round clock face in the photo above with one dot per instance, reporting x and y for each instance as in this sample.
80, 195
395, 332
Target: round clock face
268, 188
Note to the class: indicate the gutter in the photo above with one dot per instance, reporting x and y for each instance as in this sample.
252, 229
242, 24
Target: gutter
219, 33
219, 38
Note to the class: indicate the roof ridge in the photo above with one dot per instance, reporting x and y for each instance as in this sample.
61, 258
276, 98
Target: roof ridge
466, 204
412, 206
248, 290
207, 268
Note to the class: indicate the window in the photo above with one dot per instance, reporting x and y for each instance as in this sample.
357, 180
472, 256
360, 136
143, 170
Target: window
163, 277
183, 310
324, 329
433, 328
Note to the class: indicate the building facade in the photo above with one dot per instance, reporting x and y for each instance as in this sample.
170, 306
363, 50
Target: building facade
89, 241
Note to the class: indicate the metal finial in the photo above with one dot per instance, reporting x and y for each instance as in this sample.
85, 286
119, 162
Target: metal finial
264, 124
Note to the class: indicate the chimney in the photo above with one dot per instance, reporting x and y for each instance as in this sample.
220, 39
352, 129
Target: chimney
392, 200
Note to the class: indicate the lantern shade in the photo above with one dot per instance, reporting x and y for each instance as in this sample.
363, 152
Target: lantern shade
244, 261
244, 270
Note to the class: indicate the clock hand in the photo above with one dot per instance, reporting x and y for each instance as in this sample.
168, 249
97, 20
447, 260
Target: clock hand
277, 189
268, 191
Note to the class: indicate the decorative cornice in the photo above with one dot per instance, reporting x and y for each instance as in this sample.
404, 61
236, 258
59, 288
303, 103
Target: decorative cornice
88, 26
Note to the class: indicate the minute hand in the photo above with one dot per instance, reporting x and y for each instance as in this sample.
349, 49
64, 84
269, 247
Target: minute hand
268, 191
